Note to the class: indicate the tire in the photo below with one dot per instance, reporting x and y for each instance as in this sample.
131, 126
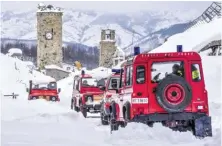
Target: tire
74, 106
53, 99
83, 110
34, 98
104, 119
173, 93
127, 112
113, 112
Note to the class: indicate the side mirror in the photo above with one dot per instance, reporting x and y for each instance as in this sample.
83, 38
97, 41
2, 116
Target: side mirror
27, 89
103, 88
59, 90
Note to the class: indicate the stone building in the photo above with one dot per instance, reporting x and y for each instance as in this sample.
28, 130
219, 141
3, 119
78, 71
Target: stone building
107, 47
49, 36
56, 72
118, 56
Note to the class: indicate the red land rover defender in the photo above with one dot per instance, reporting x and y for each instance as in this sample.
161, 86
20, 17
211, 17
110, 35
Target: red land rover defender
86, 96
164, 87
43, 90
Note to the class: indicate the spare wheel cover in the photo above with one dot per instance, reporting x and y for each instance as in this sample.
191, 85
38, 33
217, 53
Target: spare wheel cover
173, 93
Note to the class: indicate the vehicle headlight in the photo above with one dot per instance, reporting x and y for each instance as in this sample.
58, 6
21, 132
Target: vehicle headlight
90, 99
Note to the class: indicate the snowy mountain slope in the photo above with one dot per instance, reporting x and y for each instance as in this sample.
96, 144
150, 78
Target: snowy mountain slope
193, 38
85, 26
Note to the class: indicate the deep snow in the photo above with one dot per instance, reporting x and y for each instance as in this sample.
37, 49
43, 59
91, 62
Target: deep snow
34, 123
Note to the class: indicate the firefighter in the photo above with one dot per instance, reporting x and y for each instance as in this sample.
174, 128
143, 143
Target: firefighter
195, 73
177, 70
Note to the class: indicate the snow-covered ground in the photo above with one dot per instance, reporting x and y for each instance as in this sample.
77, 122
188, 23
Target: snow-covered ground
34, 123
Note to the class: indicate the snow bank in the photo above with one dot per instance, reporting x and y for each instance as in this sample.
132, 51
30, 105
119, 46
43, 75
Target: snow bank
194, 37
14, 51
15, 76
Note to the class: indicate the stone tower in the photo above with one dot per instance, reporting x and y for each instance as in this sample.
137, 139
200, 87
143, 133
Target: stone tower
107, 47
49, 36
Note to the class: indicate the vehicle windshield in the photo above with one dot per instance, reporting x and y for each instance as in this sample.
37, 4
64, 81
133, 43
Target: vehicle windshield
51, 85
89, 82
114, 83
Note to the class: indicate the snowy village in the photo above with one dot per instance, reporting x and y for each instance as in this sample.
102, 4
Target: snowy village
71, 77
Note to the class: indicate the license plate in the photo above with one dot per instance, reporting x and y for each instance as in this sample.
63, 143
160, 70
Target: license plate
140, 100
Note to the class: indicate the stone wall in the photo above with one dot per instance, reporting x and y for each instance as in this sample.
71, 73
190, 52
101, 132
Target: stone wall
49, 51
107, 50
56, 74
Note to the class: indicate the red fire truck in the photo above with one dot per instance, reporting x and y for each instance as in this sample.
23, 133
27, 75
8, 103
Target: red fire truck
86, 96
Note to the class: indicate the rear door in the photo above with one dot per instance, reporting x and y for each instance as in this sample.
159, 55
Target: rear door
198, 87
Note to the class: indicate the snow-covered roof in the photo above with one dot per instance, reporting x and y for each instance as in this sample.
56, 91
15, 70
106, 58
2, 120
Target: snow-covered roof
109, 40
100, 72
194, 38
14, 51
43, 81
43, 8
55, 67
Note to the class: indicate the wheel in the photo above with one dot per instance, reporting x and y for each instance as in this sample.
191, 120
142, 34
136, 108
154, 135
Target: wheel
83, 110
53, 99
173, 93
74, 106
34, 98
104, 119
126, 112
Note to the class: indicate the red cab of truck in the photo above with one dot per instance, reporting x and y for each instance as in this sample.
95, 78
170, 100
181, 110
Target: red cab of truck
43, 90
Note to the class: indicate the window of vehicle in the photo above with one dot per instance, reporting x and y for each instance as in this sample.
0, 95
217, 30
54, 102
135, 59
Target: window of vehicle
40, 86
87, 82
114, 83
140, 74
160, 70
129, 76
195, 69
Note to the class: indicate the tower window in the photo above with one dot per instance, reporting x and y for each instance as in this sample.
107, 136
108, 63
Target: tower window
108, 36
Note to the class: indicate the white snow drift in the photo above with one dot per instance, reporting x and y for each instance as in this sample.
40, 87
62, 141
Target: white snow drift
34, 123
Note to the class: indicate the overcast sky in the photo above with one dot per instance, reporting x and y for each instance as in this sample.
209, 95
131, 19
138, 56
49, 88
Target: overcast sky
111, 6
